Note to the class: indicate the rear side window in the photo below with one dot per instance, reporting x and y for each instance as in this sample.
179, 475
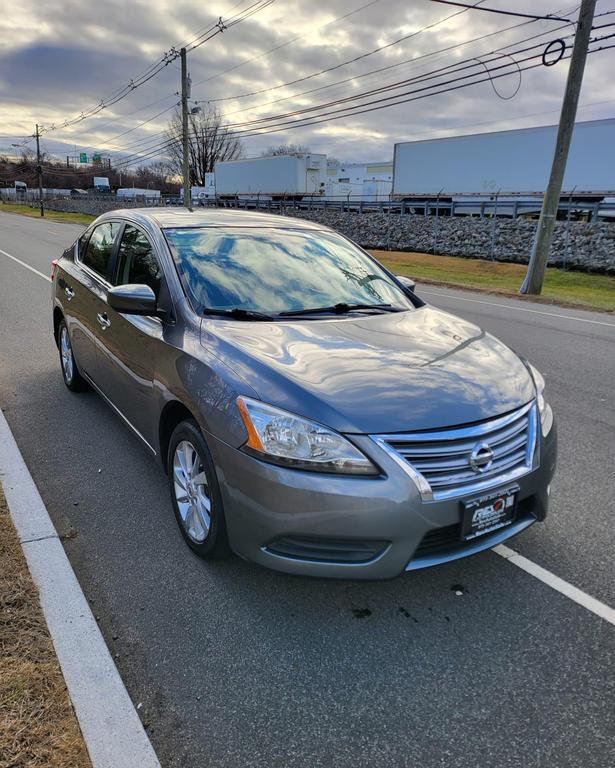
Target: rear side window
82, 243
98, 251
137, 261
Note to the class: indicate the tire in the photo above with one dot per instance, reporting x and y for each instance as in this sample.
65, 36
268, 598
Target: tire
197, 505
68, 365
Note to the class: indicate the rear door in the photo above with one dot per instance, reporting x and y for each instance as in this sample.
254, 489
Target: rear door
130, 344
82, 289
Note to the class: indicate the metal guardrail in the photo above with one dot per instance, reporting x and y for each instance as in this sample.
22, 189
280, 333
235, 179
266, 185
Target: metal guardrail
587, 210
481, 208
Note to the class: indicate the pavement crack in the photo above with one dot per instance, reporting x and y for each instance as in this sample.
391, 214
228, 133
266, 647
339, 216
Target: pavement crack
40, 538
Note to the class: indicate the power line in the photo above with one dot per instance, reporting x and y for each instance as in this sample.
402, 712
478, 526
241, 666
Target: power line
164, 98
471, 62
109, 141
167, 58
374, 105
250, 130
288, 42
266, 53
389, 67
502, 12
337, 66
343, 63
451, 69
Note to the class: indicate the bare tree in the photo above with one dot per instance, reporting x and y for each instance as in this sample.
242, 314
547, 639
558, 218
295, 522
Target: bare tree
154, 174
286, 149
210, 142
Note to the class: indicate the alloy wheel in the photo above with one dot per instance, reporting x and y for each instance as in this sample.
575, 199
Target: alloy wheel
192, 492
66, 355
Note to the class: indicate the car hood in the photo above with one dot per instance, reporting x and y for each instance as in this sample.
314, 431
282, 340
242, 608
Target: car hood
394, 372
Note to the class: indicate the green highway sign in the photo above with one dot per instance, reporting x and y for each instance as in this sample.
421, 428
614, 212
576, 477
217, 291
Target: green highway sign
83, 158
96, 158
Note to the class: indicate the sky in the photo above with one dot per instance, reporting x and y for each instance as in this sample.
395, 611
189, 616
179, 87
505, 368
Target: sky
60, 58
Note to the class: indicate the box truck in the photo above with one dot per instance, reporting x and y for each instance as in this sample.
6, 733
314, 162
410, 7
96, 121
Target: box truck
208, 190
277, 177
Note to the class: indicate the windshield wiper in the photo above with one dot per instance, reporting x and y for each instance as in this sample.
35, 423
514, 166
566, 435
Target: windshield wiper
236, 313
340, 309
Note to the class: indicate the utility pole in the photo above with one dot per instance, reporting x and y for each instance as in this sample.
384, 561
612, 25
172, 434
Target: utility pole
39, 171
184, 102
544, 233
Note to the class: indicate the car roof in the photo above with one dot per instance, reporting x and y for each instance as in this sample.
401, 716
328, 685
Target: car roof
167, 218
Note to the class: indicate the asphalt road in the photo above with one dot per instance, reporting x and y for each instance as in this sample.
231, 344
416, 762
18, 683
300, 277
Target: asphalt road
238, 666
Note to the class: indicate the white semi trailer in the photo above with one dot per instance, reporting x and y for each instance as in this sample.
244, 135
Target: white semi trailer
516, 162
277, 177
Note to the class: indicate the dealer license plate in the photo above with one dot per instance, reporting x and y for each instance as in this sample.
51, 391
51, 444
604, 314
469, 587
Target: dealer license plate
488, 513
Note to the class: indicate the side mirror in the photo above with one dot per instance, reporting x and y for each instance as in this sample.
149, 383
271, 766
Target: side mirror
132, 299
407, 282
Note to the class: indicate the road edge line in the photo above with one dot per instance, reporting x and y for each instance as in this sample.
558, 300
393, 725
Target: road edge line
514, 306
27, 266
112, 730
573, 593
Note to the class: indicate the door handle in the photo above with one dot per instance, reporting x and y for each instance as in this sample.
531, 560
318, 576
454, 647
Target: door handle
69, 292
103, 321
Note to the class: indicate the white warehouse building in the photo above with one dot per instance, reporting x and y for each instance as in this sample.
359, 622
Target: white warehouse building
360, 181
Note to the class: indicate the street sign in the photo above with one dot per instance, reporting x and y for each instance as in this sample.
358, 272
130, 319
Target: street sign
83, 158
96, 158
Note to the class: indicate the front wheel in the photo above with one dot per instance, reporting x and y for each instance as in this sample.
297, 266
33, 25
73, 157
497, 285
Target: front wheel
70, 372
195, 493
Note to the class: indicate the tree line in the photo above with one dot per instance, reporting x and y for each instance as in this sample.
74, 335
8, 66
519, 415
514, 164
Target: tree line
210, 142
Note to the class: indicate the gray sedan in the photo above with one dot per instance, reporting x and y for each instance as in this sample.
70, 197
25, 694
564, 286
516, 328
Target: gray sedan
312, 413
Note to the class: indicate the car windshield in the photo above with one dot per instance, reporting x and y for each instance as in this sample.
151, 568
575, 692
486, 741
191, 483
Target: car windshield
277, 270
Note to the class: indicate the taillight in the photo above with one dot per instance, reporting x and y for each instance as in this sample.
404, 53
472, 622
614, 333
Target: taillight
54, 269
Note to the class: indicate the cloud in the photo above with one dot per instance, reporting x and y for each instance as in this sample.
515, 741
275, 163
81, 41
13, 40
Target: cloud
61, 57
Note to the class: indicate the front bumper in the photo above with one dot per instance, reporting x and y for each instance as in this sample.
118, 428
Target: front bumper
356, 527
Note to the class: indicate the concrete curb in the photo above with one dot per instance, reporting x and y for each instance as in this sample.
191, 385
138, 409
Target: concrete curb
112, 730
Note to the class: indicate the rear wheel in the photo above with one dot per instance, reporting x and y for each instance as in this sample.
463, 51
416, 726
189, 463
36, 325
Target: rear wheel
195, 493
70, 372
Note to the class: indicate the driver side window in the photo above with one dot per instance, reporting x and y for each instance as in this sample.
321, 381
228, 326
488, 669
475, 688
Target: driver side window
137, 262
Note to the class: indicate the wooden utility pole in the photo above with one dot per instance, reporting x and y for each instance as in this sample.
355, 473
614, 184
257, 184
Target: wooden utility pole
39, 171
544, 232
184, 103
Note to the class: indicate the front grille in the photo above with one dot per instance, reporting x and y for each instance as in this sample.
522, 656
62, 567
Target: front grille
439, 461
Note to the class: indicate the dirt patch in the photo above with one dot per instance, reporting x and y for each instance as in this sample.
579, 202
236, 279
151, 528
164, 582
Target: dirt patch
37, 724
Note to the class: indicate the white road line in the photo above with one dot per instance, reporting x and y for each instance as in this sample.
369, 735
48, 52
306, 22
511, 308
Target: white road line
515, 308
113, 732
27, 266
568, 590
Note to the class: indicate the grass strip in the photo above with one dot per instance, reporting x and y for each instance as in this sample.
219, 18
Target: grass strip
34, 213
567, 288
38, 726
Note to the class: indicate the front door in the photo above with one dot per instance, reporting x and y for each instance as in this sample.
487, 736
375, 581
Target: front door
84, 284
129, 344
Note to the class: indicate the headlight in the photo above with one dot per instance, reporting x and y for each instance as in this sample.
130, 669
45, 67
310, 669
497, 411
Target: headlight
283, 438
546, 414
